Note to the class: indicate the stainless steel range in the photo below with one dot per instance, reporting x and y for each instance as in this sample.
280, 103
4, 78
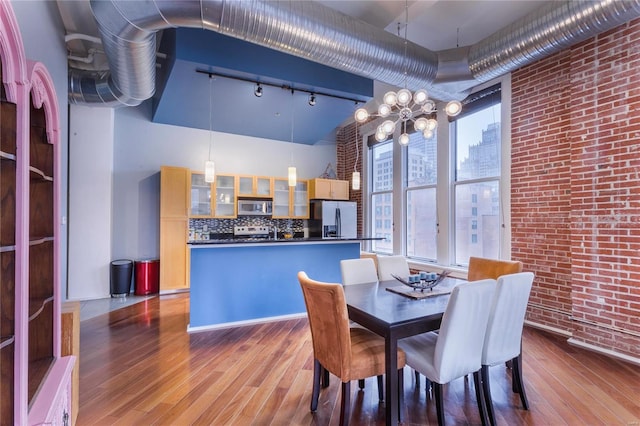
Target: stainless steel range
251, 232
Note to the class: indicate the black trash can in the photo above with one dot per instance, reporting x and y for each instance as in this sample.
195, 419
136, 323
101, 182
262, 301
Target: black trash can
121, 272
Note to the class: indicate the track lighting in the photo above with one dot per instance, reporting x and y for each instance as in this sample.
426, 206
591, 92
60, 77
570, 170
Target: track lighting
312, 99
258, 91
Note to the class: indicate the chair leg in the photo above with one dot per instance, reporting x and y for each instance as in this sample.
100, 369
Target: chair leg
415, 372
486, 388
517, 378
345, 405
437, 393
380, 388
361, 383
316, 384
400, 393
325, 378
482, 409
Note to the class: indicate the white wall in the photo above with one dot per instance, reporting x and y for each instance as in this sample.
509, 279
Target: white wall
90, 193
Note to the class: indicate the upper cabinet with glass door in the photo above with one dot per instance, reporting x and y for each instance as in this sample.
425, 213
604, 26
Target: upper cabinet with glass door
290, 202
200, 196
225, 205
255, 186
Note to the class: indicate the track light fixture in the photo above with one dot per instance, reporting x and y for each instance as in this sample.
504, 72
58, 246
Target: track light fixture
258, 91
312, 99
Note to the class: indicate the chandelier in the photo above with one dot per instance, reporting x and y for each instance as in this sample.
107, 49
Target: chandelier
402, 107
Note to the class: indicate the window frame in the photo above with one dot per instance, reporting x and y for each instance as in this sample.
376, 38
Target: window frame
445, 188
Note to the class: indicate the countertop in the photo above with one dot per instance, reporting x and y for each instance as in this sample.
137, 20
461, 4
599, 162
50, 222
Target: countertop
216, 241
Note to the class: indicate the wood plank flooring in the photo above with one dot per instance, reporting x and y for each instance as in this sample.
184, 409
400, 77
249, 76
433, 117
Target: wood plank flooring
139, 366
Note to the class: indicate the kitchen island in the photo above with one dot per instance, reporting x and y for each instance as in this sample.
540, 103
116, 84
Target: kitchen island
237, 283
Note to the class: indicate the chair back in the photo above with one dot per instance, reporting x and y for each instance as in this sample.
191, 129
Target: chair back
460, 341
358, 271
329, 323
388, 265
502, 341
481, 268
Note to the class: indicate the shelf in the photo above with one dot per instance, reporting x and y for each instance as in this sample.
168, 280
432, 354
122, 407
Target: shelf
7, 156
37, 307
37, 372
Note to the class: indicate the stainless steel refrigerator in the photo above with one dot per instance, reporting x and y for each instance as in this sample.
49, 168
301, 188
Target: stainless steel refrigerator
333, 219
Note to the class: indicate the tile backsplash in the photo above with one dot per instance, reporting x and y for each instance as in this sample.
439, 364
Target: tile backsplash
199, 227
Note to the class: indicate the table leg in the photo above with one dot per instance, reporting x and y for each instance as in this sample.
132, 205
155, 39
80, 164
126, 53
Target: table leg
391, 367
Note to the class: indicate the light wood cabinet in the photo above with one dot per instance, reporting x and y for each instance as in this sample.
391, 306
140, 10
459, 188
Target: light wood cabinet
174, 223
174, 195
70, 345
290, 202
224, 203
200, 203
255, 186
328, 189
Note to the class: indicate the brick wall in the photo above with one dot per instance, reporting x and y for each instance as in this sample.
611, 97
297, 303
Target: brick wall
576, 188
346, 149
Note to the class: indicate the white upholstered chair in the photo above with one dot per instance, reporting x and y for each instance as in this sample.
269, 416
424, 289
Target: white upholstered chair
388, 265
456, 350
503, 339
358, 271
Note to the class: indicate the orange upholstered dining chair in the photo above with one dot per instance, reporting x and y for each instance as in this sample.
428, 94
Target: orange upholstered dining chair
348, 353
481, 268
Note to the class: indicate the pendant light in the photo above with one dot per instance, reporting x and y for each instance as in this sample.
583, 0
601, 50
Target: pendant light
209, 165
355, 176
291, 172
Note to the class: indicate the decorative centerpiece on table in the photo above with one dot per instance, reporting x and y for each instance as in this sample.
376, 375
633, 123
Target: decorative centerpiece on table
418, 283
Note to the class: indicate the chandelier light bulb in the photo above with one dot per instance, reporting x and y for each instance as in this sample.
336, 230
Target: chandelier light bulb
384, 110
420, 97
420, 124
361, 115
388, 126
404, 97
404, 139
428, 107
380, 135
453, 108
427, 134
432, 123
390, 98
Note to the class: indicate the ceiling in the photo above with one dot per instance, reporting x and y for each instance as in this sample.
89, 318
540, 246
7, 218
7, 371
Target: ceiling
183, 95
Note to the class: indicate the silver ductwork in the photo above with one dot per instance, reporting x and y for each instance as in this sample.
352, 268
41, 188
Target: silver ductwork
320, 34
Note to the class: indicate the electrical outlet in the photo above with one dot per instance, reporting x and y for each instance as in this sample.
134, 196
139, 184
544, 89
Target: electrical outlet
600, 300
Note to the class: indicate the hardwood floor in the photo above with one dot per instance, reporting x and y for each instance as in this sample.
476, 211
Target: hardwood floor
139, 366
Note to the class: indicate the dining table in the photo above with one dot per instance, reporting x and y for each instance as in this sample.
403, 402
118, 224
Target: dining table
394, 316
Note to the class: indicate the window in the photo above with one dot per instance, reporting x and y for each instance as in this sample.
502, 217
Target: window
478, 150
381, 196
421, 213
446, 203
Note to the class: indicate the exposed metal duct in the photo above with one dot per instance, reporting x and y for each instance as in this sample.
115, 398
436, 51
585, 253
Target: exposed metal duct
320, 34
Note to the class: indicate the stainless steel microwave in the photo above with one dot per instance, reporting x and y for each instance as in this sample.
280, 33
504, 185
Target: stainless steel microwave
255, 207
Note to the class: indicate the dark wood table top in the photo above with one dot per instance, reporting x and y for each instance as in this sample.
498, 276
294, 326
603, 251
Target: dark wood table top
381, 309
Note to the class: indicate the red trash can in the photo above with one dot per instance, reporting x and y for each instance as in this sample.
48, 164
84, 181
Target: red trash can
147, 277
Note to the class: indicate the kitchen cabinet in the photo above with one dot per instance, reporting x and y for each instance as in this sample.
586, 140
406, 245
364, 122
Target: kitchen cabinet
174, 224
199, 196
290, 202
255, 186
328, 189
224, 203
35, 380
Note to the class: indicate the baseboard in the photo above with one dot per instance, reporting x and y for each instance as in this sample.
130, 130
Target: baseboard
243, 323
548, 328
608, 352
